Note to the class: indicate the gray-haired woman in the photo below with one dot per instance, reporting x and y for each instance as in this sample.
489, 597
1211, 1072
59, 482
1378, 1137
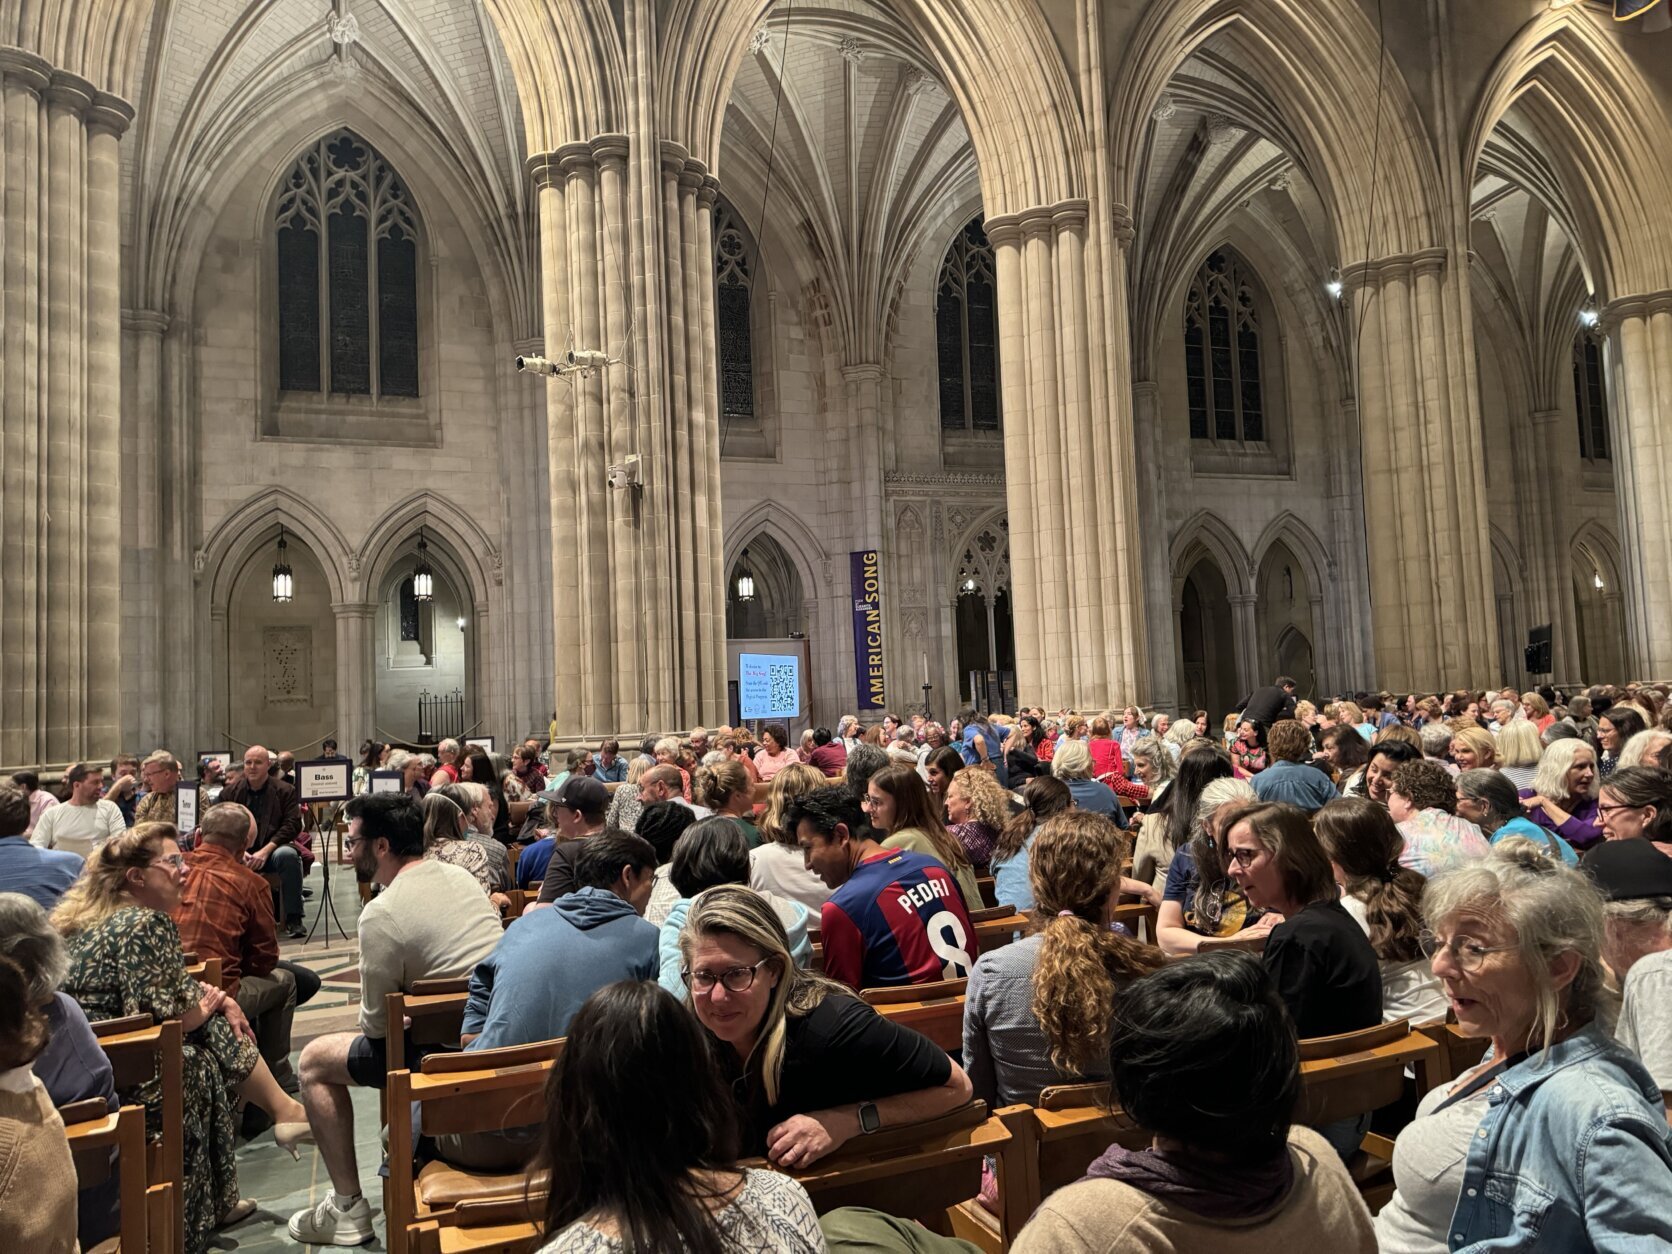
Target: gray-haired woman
1558, 1140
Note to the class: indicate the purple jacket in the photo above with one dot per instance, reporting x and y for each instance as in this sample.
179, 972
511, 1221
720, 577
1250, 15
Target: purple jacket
1583, 827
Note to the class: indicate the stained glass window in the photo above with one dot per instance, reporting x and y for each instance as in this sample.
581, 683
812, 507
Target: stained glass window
1590, 396
966, 335
347, 244
1222, 353
735, 281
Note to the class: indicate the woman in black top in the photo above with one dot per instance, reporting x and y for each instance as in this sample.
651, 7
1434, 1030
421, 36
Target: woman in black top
811, 1066
1319, 957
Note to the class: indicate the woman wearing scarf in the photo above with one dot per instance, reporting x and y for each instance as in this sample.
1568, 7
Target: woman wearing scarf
1227, 1171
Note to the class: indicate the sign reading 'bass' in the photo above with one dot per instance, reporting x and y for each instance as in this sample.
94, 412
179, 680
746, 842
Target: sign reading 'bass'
867, 628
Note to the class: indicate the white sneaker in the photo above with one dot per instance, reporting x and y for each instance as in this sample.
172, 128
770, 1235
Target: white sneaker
325, 1224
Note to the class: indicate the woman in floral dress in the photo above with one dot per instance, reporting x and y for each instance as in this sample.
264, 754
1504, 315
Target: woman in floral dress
126, 959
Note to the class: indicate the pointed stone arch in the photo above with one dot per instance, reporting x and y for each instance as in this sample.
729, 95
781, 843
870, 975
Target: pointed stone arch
479, 564
1206, 533
255, 524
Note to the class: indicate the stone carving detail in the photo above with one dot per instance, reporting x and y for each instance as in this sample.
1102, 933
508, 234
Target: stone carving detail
851, 49
1220, 127
200, 559
1165, 107
344, 66
354, 565
759, 41
1282, 182
287, 665
912, 622
909, 525
344, 29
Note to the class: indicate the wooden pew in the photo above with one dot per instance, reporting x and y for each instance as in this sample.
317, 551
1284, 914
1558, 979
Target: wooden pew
208, 971
93, 1131
139, 1051
483, 1091
1248, 944
936, 1010
1457, 1052
1358, 1072
436, 1011
991, 932
985, 884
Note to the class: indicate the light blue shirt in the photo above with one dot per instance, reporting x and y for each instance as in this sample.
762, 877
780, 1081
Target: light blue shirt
1539, 836
40, 874
1011, 885
1296, 783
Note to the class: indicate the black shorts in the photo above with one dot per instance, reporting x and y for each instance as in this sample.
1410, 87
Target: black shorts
368, 1062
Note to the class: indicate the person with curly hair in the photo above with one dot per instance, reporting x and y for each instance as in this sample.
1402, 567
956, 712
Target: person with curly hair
976, 812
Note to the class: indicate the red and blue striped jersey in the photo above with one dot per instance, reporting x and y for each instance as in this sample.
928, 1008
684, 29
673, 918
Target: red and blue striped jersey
899, 919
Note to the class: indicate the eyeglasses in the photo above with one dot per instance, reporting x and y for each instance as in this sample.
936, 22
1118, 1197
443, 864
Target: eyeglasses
1609, 809
173, 861
1243, 857
1466, 952
736, 979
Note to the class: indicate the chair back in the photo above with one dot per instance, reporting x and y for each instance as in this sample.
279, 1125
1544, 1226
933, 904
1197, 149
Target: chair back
1355, 1073
936, 1010
985, 884
1000, 931
140, 1051
436, 1011
92, 1135
988, 913
1138, 917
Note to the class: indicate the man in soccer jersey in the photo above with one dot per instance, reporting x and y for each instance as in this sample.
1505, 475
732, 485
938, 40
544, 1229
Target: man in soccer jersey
894, 917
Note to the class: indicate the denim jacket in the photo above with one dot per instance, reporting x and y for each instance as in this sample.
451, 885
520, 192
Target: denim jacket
1573, 1155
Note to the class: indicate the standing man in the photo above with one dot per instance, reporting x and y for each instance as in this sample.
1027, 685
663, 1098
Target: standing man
278, 822
84, 820
1270, 705
161, 773
431, 921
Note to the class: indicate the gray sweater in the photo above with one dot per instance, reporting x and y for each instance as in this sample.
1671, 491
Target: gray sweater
1005, 1051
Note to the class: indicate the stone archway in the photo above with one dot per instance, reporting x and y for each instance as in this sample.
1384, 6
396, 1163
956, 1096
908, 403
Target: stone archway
1207, 662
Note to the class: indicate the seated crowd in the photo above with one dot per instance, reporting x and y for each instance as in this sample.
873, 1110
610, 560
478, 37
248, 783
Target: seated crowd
709, 935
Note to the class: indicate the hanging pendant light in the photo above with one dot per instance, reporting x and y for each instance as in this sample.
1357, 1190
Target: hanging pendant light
284, 585
745, 579
423, 578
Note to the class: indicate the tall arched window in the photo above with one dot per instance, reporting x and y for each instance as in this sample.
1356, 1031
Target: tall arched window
347, 241
735, 282
966, 334
1590, 396
1222, 353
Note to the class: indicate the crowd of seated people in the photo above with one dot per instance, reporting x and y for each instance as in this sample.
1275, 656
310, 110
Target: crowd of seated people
1383, 860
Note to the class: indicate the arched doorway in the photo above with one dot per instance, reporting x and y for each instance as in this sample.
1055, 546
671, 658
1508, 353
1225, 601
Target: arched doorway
1284, 607
983, 623
1596, 606
764, 596
281, 655
422, 648
1207, 654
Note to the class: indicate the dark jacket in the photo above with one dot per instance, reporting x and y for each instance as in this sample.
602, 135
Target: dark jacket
278, 819
1269, 705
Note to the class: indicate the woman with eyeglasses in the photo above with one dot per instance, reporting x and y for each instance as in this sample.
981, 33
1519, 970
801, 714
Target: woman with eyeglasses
635, 1062
125, 959
1635, 803
811, 1066
1558, 1140
1200, 900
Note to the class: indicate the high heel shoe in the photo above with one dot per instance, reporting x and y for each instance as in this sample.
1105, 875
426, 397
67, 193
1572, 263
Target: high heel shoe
241, 1210
291, 1136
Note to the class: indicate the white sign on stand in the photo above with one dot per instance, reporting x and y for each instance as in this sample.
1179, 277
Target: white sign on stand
324, 779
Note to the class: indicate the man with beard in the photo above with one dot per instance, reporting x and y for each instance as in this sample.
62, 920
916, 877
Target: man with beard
431, 921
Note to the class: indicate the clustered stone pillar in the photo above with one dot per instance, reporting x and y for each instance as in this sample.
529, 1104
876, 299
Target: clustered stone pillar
1076, 575
60, 433
1639, 332
1432, 612
638, 598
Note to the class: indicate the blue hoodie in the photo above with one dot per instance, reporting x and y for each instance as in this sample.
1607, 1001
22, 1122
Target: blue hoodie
550, 961
792, 914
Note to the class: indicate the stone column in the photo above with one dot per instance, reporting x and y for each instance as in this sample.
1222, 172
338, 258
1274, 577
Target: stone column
1163, 676
60, 400
144, 616
1246, 644
357, 668
1069, 469
1639, 330
1424, 490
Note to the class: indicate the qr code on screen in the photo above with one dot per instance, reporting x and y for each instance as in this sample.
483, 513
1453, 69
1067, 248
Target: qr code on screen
782, 692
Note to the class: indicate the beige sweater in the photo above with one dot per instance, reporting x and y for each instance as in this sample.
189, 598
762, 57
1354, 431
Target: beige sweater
1322, 1212
37, 1175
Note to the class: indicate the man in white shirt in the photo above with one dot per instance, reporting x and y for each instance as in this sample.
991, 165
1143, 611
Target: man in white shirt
83, 822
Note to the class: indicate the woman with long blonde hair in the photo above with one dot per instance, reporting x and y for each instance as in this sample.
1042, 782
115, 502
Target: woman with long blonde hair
801, 1051
1037, 1011
125, 959
776, 864
904, 816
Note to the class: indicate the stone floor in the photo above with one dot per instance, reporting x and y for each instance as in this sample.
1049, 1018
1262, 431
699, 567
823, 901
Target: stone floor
266, 1173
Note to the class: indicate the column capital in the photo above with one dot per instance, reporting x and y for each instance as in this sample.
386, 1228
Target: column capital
674, 157
610, 148
576, 159
70, 91
1145, 389
1070, 215
24, 68
1240, 599
109, 114
354, 609
1035, 222
709, 192
1401, 266
1004, 229
1121, 225
1623, 307
145, 321
533, 346
862, 371
542, 170
1544, 417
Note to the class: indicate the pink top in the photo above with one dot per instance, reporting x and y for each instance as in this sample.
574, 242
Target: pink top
40, 801
769, 765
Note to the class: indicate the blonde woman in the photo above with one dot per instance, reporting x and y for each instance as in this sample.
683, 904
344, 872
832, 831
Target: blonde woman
1537, 710
1473, 748
777, 865
1518, 749
125, 959
976, 812
811, 1066
1038, 1011
725, 789
625, 804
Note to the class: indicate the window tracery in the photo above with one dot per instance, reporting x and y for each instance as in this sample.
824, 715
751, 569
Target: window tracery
966, 334
1222, 353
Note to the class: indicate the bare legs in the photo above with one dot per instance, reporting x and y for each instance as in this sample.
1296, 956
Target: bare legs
325, 1085
262, 1090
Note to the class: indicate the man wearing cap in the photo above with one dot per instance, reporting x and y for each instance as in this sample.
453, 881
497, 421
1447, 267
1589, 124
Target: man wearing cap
575, 809
1636, 881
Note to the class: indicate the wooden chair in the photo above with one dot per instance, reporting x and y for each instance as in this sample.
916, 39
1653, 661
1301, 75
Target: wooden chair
436, 1011
918, 1171
1457, 1052
495, 1227
936, 1010
1355, 1073
985, 884
518, 811
520, 901
93, 1131
140, 1050
1139, 917
480, 1091
760, 793
208, 971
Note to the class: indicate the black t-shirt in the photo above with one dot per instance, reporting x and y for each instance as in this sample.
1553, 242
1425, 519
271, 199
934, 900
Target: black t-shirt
841, 1053
1325, 971
1268, 705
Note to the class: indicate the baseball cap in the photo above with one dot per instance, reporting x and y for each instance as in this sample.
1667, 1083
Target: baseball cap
581, 792
1629, 870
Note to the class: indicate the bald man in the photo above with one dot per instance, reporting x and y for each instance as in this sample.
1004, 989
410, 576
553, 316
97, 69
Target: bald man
278, 822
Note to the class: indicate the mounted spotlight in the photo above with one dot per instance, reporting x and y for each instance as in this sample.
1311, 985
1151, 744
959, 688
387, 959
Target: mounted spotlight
1589, 317
1333, 285
284, 584
423, 578
745, 579
1596, 580
461, 624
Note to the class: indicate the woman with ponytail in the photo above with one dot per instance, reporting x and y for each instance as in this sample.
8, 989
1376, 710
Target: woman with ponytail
1363, 845
1037, 1012
1041, 798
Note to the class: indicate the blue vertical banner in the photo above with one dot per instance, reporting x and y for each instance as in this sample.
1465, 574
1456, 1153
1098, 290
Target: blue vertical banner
866, 567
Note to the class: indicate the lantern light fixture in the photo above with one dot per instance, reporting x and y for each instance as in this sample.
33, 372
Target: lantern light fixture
284, 583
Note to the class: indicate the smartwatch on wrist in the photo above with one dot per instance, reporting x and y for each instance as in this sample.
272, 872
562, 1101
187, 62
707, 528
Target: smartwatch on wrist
869, 1120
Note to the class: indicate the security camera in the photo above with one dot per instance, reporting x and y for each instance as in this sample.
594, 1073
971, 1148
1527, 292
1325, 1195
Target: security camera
624, 475
538, 365
586, 359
